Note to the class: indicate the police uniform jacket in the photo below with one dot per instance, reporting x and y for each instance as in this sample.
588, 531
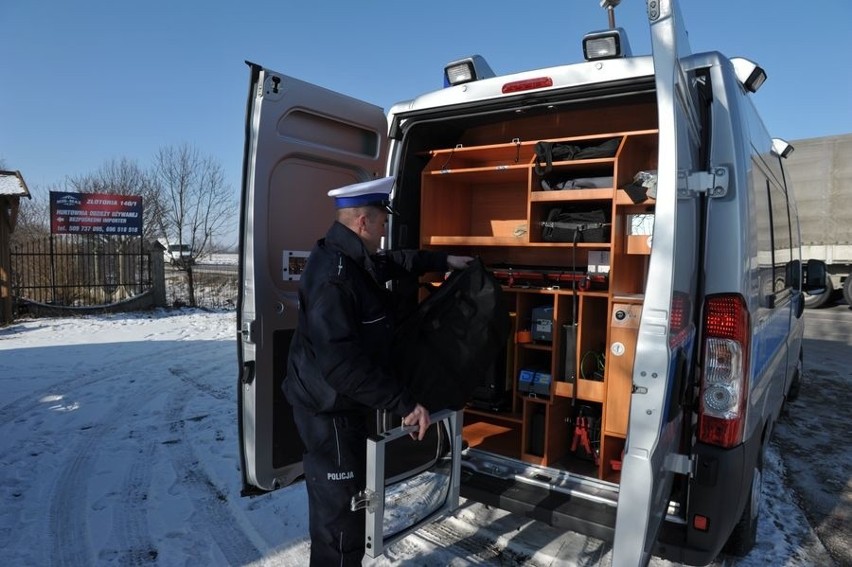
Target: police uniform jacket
339, 357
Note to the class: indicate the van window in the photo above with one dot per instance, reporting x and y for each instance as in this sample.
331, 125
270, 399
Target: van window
781, 240
774, 238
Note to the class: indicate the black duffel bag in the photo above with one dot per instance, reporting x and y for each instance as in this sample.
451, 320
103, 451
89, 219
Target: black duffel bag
548, 152
445, 349
575, 226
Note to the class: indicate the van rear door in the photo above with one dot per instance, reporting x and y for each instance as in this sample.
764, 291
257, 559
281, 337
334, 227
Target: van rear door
666, 342
301, 141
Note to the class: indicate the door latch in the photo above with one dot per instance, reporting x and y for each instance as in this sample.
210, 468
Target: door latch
680, 464
364, 500
247, 332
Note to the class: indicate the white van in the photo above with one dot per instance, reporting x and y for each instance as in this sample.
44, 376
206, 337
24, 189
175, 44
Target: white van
649, 361
176, 254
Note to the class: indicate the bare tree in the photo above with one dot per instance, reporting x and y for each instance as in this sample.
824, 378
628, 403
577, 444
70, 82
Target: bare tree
33, 218
197, 205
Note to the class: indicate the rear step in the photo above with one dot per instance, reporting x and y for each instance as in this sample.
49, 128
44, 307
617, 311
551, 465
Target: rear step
555, 497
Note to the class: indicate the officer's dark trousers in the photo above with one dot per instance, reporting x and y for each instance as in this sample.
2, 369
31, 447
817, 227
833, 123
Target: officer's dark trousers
334, 461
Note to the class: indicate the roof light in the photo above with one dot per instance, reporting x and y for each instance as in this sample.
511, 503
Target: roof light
466, 70
607, 44
750, 74
781, 148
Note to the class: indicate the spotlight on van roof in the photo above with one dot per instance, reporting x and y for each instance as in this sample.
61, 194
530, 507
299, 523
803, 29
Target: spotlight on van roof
750, 74
465, 70
607, 44
781, 148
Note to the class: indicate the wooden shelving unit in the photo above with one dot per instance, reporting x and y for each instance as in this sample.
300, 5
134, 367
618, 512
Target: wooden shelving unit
486, 199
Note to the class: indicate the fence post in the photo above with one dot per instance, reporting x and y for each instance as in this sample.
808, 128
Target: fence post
52, 271
158, 276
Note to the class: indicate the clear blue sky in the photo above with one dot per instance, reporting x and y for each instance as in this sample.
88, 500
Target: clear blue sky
87, 81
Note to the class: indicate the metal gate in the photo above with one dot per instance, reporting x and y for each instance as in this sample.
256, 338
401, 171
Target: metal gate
80, 270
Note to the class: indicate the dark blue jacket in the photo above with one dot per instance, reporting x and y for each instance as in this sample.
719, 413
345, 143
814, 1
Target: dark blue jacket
339, 357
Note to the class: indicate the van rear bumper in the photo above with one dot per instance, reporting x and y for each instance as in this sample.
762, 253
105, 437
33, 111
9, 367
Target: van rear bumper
718, 491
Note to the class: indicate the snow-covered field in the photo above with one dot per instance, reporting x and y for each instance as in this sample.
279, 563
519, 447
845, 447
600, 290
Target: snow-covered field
220, 259
119, 447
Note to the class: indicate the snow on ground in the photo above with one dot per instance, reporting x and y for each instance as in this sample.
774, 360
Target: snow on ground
119, 447
222, 259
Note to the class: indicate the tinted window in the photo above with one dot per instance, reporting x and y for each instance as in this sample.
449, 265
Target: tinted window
763, 220
774, 237
781, 240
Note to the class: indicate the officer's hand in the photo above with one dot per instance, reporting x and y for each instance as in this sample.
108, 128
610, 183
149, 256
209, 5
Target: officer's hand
419, 416
459, 262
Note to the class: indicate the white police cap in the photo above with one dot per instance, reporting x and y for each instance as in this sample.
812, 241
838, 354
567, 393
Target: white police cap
375, 192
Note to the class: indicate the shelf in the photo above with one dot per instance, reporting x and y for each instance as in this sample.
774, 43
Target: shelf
490, 173
504, 440
509, 151
536, 346
621, 198
561, 195
496, 416
507, 241
638, 244
628, 297
588, 390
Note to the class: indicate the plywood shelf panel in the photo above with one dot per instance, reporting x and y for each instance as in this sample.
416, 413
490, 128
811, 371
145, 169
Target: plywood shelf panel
571, 195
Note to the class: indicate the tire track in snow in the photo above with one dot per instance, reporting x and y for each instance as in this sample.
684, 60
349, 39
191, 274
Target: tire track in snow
210, 503
135, 544
69, 519
69, 513
130, 522
24, 406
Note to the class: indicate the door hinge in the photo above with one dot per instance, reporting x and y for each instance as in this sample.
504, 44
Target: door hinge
364, 500
247, 330
681, 464
714, 183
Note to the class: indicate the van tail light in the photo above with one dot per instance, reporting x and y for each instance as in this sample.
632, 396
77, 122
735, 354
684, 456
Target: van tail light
724, 386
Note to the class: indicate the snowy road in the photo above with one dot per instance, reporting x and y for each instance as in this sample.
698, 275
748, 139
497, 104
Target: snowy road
118, 447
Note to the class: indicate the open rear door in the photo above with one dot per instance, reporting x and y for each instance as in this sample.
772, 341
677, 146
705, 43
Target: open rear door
301, 141
665, 346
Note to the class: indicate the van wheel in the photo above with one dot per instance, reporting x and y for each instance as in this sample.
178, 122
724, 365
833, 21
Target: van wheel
744, 536
847, 290
812, 301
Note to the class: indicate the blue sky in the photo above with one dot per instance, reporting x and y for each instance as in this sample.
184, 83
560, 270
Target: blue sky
88, 81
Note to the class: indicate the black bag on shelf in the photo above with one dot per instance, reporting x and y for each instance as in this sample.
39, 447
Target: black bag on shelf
575, 226
548, 152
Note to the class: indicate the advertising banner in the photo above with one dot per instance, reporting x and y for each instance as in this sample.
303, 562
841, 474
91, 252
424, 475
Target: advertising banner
95, 213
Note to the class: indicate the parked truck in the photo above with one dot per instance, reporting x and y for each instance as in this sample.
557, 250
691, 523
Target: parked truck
821, 172
652, 354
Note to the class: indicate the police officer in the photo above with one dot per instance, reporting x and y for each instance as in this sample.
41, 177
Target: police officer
338, 367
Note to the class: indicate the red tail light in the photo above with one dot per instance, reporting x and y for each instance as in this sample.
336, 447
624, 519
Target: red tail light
724, 381
527, 85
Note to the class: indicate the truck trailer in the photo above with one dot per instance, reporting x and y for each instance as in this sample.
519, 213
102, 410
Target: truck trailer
821, 173
654, 344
